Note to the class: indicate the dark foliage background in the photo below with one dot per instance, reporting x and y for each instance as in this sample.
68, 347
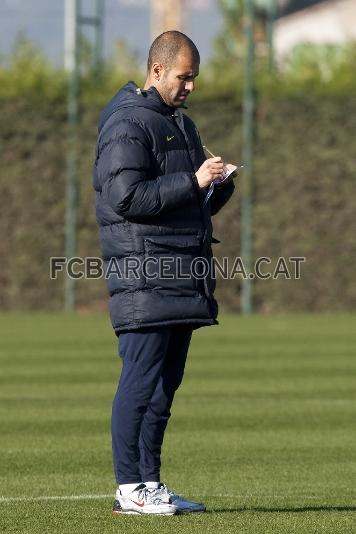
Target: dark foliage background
305, 187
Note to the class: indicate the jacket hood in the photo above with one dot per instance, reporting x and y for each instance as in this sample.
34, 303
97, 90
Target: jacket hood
130, 95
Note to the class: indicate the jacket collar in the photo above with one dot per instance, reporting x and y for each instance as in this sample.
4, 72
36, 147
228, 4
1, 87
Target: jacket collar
130, 95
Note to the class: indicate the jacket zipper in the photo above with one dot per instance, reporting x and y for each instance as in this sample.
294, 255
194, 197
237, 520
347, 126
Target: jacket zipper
201, 207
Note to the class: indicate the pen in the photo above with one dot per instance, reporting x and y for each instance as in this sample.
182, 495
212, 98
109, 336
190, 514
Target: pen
211, 154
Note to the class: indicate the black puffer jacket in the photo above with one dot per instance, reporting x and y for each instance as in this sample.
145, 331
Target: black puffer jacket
150, 209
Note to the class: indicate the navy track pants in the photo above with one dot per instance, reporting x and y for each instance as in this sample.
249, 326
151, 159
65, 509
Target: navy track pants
152, 370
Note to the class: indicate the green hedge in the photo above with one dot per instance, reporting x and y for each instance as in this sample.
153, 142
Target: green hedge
305, 190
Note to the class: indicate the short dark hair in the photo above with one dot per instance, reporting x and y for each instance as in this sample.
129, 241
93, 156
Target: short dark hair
167, 46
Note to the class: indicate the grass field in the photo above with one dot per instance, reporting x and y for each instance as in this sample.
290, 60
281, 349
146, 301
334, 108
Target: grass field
263, 427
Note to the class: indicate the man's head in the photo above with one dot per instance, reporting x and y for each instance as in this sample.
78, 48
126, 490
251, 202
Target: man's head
172, 66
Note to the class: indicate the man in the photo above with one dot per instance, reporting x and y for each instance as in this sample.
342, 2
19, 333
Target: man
151, 179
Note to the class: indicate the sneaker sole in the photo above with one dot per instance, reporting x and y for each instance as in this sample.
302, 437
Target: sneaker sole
131, 512
125, 513
118, 510
134, 512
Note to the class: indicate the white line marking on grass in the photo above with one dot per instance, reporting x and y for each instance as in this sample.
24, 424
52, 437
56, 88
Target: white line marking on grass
111, 495
55, 498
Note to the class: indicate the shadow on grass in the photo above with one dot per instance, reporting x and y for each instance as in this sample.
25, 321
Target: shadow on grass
296, 509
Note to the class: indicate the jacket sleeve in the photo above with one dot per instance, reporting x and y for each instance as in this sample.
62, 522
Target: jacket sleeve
124, 171
220, 196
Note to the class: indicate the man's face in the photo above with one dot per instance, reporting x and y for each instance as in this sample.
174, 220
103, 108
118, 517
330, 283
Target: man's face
177, 83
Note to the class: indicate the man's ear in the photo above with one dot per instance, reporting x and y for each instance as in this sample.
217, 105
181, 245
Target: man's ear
157, 71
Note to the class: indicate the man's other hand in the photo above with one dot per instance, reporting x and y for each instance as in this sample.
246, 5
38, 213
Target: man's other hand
211, 169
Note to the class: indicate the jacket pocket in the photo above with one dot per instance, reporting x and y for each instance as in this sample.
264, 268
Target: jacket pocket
168, 264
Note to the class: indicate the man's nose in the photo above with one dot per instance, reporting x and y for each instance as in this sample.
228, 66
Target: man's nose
189, 86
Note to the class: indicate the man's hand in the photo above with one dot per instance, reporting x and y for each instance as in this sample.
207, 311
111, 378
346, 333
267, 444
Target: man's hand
211, 169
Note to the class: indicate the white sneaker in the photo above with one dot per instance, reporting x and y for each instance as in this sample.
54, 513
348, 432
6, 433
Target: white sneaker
183, 505
143, 501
